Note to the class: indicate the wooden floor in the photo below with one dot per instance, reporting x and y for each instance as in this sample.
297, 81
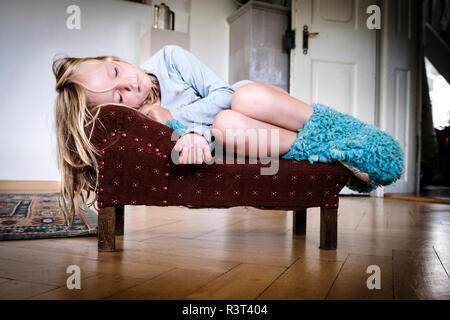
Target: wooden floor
244, 253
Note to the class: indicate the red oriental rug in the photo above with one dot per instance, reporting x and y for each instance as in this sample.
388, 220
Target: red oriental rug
39, 216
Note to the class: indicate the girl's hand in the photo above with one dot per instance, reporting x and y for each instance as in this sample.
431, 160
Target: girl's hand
156, 112
194, 148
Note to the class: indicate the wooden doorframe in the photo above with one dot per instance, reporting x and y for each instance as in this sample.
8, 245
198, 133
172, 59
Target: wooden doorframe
379, 192
420, 61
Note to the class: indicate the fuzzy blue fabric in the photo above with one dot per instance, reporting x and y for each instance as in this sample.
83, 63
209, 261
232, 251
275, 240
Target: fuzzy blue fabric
330, 135
177, 126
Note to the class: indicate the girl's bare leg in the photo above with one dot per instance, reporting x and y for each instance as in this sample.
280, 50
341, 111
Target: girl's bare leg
262, 106
271, 104
233, 120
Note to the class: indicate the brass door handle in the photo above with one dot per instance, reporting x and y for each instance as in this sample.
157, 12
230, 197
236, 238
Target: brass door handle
306, 36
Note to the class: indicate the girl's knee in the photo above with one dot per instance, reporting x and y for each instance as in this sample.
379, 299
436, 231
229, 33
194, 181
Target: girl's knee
245, 95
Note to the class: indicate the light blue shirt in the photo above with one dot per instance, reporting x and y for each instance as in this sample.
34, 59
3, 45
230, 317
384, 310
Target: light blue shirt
190, 90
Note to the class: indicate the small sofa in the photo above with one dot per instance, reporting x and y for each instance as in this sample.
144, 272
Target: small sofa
135, 168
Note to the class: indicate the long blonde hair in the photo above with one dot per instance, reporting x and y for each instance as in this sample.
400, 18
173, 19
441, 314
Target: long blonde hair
76, 154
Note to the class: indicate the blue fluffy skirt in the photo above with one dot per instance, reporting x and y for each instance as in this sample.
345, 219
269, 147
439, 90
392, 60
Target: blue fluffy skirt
330, 135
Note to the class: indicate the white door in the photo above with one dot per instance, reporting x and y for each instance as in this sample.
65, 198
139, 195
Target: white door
399, 84
339, 69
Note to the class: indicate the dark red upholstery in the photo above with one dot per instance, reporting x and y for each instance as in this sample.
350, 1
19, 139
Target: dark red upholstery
296, 184
136, 169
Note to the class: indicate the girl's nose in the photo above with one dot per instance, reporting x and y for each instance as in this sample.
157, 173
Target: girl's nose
130, 83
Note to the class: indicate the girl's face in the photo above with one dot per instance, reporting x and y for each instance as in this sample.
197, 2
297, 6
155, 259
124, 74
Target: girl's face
114, 81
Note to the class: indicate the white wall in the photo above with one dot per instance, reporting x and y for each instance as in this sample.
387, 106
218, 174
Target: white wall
210, 33
32, 32
205, 20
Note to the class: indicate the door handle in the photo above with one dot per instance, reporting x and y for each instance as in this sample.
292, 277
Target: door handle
306, 35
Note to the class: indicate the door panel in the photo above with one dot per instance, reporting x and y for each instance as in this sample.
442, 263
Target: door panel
339, 69
337, 75
329, 12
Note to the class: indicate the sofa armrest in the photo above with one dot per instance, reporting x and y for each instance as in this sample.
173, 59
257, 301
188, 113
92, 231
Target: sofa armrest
134, 161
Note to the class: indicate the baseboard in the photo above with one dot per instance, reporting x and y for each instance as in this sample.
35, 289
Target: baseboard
29, 186
412, 197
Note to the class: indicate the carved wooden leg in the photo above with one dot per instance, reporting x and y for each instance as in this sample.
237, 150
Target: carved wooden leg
120, 210
107, 229
328, 228
299, 221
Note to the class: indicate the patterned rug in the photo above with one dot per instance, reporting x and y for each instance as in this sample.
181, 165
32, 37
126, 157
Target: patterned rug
39, 216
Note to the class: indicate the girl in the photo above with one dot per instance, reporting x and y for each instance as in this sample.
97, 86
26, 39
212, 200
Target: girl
173, 87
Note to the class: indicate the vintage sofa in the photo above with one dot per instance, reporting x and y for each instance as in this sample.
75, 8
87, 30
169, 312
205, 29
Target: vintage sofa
135, 168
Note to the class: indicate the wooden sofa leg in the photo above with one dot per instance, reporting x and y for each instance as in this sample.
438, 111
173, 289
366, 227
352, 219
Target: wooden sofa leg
107, 229
299, 221
328, 228
120, 211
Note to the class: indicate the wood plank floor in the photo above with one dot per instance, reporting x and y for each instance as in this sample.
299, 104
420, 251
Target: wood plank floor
244, 253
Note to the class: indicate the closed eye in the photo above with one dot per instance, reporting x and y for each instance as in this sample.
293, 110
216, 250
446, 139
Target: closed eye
116, 75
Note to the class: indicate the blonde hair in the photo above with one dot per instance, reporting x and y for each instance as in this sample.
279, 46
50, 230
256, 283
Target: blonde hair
76, 155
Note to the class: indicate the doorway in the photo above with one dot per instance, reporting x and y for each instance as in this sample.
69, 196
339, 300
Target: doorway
435, 127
